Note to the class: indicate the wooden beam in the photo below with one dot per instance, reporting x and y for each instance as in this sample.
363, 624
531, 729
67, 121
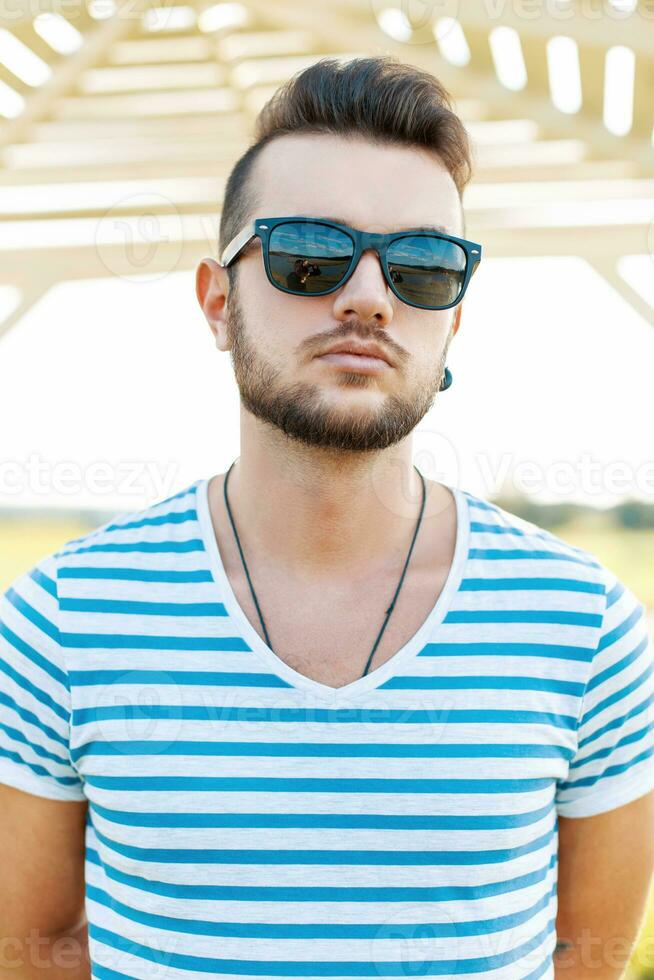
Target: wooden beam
31, 290
68, 70
608, 270
600, 27
484, 202
352, 22
98, 248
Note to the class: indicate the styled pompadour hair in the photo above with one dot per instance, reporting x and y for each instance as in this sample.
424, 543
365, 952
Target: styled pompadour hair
380, 98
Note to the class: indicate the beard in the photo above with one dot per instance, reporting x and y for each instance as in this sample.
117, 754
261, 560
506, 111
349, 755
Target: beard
299, 409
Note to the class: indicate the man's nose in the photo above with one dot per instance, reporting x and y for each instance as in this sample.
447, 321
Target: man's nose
366, 294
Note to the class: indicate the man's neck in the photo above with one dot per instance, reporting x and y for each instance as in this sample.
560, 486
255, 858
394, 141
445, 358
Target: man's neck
317, 513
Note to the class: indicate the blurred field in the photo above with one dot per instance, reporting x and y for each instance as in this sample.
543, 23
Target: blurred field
627, 552
24, 542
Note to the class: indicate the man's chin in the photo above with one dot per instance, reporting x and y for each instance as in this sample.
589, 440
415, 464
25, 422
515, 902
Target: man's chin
367, 432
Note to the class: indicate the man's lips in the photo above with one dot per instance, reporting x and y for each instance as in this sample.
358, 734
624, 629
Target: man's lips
363, 350
364, 363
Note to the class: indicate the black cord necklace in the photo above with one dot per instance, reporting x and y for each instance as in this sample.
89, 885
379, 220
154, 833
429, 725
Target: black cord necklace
397, 591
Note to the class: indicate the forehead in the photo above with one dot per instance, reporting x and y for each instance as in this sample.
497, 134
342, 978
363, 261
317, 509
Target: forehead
371, 186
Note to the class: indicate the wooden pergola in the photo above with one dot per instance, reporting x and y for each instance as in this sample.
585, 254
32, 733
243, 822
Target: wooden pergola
115, 162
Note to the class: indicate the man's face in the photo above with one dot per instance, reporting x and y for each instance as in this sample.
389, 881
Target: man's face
276, 338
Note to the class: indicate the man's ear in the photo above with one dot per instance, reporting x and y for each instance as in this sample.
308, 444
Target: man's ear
212, 289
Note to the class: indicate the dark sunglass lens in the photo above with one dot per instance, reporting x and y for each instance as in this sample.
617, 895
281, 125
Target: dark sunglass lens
427, 270
306, 257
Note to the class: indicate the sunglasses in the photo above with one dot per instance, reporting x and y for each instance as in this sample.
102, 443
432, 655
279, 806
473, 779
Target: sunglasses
313, 257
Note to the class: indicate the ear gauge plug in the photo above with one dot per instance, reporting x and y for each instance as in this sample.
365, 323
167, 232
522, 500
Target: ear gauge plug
447, 380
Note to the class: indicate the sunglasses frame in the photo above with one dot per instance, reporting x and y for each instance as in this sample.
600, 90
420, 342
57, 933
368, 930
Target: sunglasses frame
261, 228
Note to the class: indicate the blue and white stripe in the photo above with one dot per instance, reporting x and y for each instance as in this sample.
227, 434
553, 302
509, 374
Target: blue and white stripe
245, 821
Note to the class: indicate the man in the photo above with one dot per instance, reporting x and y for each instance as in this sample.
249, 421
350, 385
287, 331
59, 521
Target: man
316, 716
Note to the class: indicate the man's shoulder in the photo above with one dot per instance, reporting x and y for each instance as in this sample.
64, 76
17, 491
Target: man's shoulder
142, 556
165, 523
498, 534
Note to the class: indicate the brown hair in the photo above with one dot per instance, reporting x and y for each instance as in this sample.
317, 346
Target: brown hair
379, 98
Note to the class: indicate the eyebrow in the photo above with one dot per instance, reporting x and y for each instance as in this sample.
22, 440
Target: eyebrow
421, 227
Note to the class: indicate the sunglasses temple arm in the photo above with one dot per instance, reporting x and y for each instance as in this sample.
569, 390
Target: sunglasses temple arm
237, 244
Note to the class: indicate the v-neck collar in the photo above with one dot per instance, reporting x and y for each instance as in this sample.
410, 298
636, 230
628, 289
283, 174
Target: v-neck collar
374, 678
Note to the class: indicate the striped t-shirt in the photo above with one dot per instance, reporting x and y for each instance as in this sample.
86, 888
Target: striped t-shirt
245, 821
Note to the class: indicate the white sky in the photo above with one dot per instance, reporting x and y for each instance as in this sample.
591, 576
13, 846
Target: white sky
117, 382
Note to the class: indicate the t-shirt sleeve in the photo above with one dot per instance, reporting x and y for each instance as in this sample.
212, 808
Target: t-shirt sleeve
35, 704
614, 759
